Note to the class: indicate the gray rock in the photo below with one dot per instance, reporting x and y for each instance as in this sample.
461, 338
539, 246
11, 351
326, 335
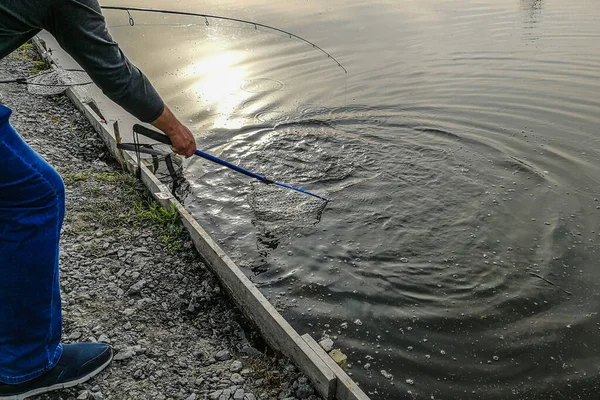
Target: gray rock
326, 344
236, 366
250, 351
302, 380
239, 394
215, 395
129, 311
304, 390
199, 381
237, 379
223, 355
74, 335
83, 395
97, 395
124, 354
136, 287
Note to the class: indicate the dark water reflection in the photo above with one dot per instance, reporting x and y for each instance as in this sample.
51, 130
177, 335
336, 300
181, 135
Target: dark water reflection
462, 154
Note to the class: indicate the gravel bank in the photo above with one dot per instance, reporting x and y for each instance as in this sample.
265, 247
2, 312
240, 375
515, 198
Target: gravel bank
131, 277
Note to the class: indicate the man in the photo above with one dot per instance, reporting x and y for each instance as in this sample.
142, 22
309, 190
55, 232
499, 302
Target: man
32, 359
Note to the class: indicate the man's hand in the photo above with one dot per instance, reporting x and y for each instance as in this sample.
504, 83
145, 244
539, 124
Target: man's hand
182, 140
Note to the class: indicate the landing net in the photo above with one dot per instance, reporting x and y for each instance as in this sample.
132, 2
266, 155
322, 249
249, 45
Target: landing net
56, 81
275, 206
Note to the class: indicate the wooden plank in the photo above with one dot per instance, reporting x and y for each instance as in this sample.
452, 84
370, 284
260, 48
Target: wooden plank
346, 388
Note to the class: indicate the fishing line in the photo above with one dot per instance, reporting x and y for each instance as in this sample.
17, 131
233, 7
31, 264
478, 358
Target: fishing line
206, 21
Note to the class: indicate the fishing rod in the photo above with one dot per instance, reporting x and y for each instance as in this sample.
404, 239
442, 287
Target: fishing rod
207, 16
159, 137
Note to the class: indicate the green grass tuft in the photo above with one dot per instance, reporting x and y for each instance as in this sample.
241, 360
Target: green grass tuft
165, 220
75, 177
26, 53
39, 66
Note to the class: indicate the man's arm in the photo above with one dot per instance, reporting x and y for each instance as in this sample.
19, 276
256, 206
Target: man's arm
80, 28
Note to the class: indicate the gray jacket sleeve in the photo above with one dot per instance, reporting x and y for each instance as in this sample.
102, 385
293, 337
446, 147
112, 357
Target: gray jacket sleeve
80, 29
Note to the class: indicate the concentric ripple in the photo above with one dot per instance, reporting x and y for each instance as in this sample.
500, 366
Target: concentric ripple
262, 85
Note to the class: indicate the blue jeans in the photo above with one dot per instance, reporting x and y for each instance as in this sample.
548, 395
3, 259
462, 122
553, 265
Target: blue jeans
32, 207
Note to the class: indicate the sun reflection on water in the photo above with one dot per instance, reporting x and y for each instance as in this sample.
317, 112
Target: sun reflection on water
217, 84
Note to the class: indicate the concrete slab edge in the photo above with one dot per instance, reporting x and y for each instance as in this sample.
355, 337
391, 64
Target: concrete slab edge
346, 388
325, 375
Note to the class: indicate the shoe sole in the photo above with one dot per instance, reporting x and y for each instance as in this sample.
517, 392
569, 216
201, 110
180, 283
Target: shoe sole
59, 386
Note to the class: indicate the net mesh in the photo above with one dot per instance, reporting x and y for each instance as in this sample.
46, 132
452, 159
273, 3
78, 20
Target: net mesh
56, 81
276, 206
166, 165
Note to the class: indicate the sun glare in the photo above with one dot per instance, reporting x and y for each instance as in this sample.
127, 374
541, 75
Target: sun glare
218, 80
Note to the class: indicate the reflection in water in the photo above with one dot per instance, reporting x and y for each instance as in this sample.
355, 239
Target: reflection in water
217, 80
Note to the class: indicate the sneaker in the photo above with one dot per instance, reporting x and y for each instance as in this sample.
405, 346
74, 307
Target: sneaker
78, 363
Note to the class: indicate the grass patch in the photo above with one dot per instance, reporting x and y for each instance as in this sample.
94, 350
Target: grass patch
116, 200
164, 220
39, 66
106, 177
75, 177
23, 53
110, 196
54, 118
115, 177
28, 53
26, 47
153, 212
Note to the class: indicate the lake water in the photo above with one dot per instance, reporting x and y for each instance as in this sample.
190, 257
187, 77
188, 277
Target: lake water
462, 154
